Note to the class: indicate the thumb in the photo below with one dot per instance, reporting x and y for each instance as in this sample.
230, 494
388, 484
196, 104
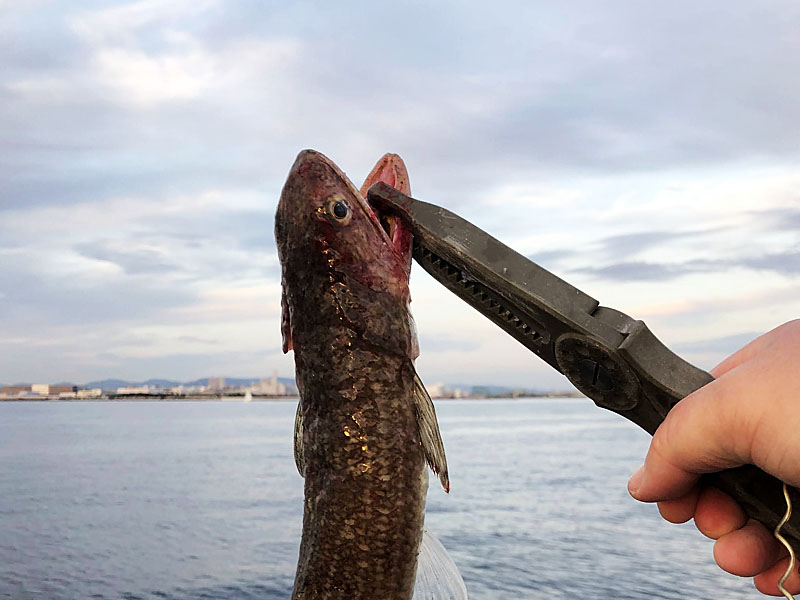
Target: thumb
699, 435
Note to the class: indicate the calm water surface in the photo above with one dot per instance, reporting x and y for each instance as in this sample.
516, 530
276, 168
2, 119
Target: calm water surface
202, 500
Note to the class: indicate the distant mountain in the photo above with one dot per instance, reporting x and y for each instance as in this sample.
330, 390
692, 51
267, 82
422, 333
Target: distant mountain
241, 381
228, 381
493, 390
107, 384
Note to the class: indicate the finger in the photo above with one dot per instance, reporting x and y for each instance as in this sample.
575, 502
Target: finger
709, 430
739, 357
767, 581
744, 354
657, 480
747, 551
681, 509
717, 514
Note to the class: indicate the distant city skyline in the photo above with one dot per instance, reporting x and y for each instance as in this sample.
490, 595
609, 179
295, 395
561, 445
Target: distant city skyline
648, 154
156, 381
220, 387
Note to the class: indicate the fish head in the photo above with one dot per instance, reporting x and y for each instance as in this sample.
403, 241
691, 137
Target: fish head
329, 235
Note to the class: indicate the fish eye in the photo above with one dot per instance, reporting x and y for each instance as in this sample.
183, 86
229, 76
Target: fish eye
338, 208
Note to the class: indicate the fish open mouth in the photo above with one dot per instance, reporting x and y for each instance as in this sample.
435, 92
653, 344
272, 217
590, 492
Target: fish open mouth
395, 229
387, 220
391, 170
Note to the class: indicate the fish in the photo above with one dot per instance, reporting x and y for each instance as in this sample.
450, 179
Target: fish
365, 427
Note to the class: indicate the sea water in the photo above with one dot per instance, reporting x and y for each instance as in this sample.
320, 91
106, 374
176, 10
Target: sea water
185, 500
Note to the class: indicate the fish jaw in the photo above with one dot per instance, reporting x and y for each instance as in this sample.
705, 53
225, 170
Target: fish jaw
391, 169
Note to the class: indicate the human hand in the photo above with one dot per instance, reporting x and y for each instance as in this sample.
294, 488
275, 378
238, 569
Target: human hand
750, 414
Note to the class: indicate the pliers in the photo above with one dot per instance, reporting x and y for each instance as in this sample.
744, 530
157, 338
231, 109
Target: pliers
610, 357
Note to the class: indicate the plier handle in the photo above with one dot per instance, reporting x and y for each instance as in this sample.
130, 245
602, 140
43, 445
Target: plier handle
610, 357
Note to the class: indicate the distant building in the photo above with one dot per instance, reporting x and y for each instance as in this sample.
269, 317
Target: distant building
92, 393
189, 389
14, 390
270, 387
62, 389
216, 384
439, 390
134, 389
45, 389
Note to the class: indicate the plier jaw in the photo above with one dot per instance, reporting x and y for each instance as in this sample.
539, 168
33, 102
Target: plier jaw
611, 358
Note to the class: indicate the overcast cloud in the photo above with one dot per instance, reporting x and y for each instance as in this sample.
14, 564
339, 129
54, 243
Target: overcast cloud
647, 153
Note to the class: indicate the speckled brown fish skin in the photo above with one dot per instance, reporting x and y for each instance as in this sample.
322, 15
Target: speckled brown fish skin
346, 293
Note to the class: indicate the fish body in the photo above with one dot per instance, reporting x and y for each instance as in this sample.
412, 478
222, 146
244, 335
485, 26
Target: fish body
358, 441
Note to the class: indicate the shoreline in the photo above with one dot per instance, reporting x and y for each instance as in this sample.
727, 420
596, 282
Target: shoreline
241, 399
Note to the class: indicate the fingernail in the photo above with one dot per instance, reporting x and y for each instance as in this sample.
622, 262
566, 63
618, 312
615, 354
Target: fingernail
636, 481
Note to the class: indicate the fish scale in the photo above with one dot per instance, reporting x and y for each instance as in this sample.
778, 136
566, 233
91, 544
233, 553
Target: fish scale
356, 476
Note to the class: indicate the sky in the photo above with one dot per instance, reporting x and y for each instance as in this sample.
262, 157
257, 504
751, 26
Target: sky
647, 153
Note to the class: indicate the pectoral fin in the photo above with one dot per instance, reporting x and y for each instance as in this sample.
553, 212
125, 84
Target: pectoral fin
429, 434
437, 575
299, 456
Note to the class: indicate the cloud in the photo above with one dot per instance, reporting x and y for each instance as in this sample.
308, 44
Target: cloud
132, 261
197, 340
551, 259
725, 345
35, 303
145, 144
146, 81
631, 244
637, 271
780, 219
124, 23
785, 263
441, 343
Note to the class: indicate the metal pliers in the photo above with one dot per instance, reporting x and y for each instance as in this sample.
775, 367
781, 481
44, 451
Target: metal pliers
611, 358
